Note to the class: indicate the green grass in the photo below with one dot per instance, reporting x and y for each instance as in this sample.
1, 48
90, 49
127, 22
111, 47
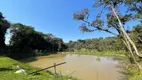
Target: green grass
132, 73
8, 69
130, 70
103, 53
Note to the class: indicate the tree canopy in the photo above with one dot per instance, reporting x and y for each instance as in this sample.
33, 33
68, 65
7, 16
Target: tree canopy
4, 25
25, 38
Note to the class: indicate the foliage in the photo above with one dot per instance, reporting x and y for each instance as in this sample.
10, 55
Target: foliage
108, 43
26, 40
106, 13
4, 25
130, 71
97, 44
136, 35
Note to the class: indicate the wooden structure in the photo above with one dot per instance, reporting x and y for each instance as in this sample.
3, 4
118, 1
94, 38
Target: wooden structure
48, 68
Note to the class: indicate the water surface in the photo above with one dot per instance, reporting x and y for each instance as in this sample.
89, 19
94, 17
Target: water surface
84, 67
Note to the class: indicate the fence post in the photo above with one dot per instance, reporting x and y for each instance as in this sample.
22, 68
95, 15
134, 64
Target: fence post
55, 67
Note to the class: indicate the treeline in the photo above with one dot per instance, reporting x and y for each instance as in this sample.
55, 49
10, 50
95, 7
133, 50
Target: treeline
95, 44
26, 41
108, 43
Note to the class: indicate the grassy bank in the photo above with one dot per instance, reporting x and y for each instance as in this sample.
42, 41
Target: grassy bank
8, 69
131, 71
103, 53
133, 74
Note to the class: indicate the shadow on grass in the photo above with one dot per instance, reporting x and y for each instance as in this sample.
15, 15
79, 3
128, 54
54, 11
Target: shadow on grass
49, 72
38, 73
26, 60
5, 69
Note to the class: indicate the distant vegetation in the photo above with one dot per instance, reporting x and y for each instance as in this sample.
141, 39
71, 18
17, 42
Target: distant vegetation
107, 44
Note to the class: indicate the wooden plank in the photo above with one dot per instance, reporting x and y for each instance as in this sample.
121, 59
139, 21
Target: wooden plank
47, 68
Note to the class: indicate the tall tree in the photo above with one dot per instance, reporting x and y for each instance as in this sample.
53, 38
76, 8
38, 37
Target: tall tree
116, 19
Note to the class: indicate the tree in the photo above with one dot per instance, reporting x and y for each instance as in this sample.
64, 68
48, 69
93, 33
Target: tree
115, 20
4, 25
97, 44
24, 36
136, 35
26, 39
138, 32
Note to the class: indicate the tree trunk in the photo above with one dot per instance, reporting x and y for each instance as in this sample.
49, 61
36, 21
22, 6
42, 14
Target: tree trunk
124, 32
127, 44
127, 40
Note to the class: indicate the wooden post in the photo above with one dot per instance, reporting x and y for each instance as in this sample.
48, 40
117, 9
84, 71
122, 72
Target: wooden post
55, 67
47, 68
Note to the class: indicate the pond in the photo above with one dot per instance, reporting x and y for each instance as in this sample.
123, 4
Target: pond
84, 67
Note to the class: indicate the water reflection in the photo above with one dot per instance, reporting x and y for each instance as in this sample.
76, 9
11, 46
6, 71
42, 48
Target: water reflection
85, 67
98, 59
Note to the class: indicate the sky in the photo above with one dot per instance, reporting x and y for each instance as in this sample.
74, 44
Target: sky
50, 16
